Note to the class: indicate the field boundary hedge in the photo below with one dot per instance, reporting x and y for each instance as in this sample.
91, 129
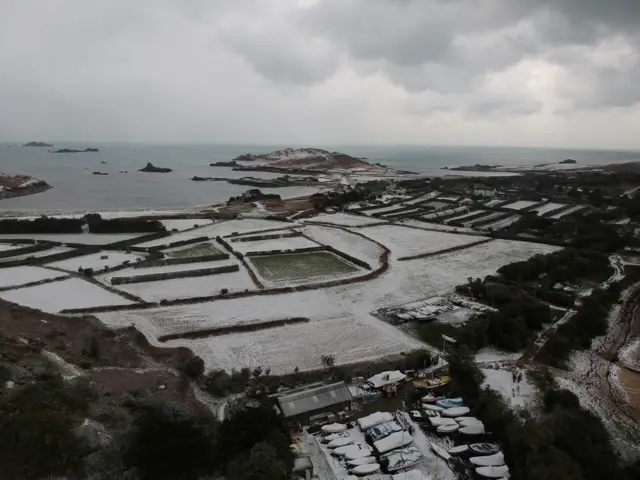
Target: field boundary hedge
152, 277
228, 329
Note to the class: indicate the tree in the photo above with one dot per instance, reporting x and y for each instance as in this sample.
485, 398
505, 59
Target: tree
263, 464
193, 367
328, 361
171, 445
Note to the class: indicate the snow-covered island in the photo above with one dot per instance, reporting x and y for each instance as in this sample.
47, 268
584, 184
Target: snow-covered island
20, 185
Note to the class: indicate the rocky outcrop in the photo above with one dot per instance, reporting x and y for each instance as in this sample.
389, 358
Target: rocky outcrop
150, 167
284, 181
71, 150
37, 144
230, 163
100, 173
568, 160
306, 159
20, 185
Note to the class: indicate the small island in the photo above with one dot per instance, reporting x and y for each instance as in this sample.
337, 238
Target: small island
20, 185
150, 167
37, 144
230, 163
568, 160
71, 150
100, 173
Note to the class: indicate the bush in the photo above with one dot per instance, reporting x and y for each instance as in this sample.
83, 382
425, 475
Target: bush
193, 367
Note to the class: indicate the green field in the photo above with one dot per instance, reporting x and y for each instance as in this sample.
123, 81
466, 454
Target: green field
197, 250
300, 266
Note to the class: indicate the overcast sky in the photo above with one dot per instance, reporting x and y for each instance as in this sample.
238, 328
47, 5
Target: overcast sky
305, 72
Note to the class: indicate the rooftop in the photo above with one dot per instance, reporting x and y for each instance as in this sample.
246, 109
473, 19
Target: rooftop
311, 399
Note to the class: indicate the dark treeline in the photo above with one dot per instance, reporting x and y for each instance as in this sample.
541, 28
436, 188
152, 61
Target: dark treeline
564, 441
122, 225
41, 225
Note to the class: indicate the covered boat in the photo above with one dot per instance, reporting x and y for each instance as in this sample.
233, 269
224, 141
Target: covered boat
476, 429
374, 419
333, 428
448, 428
430, 398
409, 475
484, 448
366, 469
340, 442
400, 459
464, 421
459, 450
383, 430
450, 402
361, 461
334, 436
493, 472
455, 412
417, 416
494, 460
392, 442
439, 421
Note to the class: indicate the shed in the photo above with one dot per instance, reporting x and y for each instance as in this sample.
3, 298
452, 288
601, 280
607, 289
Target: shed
300, 405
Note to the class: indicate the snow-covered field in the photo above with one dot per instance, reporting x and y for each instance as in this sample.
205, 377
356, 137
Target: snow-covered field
38, 254
288, 243
71, 293
190, 287
96, 261
434, 226
343, 219
405, 242
185, 224
549, 207
483, 219
437, 205
81, 238
412, 211
341, 321
347, 242
569, 211
7, 246
512, 383
27, 274
383, 209
493, 203
519, 205
450, 198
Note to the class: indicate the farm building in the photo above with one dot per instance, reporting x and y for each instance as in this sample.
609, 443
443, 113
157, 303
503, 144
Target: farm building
484, 192
311, 405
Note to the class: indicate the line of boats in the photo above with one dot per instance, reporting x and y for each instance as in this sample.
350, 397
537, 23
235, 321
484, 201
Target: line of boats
450, 417
389, 446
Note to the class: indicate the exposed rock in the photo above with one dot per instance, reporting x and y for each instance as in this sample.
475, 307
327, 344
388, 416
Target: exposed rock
284, 181
568, 160
100, 173
37, 144
152, 168
71, 150
20, 185
230, 163
253, 195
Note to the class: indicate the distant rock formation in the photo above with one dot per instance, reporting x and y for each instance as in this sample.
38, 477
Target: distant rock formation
153, 169
309, 159
71, 150
230, 163
37, 144
284, 181
568, 160
19, 185
100, 173
253, 195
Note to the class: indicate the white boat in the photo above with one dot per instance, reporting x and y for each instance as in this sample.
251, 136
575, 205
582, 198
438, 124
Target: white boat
342, 451
374, 419
493, 472
361, 461
464, 421
333, 428
340, 442
402, 458
355, 454
477, 429
367, 469
441, 452
450, 402
448, 428
494, 460
392, 442
334, 436
459, 450
455, 412
434, 408
439, 421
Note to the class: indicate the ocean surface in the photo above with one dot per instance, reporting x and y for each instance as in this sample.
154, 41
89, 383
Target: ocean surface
76, 189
